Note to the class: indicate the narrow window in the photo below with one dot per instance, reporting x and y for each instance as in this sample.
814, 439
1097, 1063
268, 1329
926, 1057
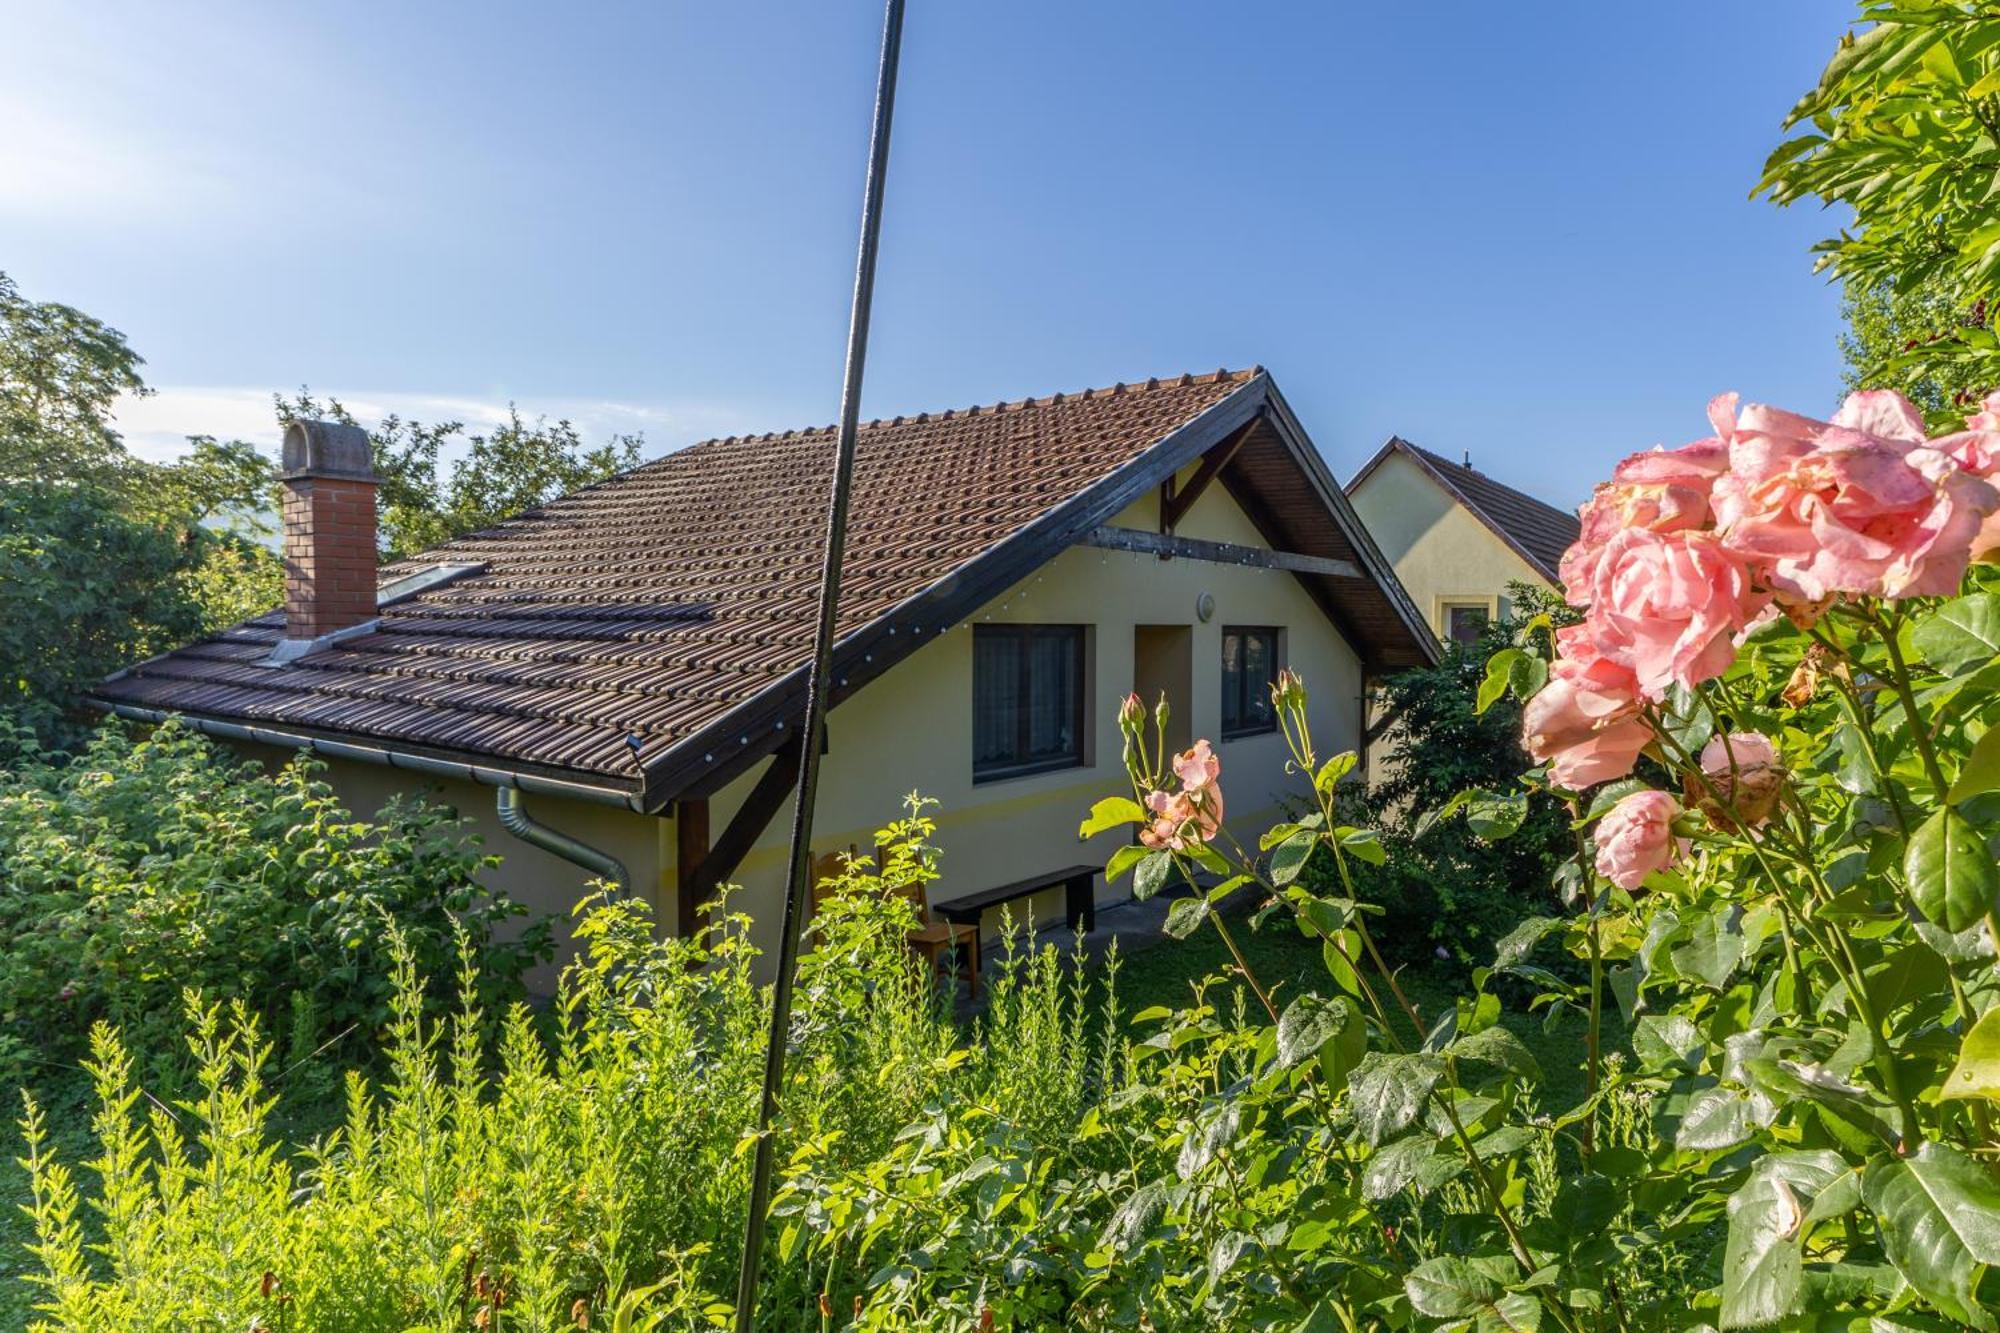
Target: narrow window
1249, 669
1027, 699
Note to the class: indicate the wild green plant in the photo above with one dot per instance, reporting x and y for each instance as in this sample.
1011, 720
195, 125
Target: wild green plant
147, 864
581, 1168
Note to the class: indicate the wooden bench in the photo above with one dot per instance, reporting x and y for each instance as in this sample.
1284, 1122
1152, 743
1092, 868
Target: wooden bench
1076, 882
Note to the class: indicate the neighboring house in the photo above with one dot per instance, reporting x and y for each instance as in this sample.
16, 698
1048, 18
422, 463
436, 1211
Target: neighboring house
1457, 537
625, 666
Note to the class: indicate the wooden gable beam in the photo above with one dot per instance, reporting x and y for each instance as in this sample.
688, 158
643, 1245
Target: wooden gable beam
1113, 538
1175, 501
703, 869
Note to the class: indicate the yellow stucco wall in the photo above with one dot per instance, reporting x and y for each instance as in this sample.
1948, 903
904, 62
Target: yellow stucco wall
1441, 552
911, 729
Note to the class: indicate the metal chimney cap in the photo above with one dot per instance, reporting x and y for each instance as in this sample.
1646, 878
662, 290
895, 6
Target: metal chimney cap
327, 449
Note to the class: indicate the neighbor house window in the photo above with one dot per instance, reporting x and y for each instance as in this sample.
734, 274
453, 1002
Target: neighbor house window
1464, 622
1027, 699
1249, 669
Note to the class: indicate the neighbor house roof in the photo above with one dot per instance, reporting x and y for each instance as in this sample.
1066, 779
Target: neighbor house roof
1537, 531
648, 635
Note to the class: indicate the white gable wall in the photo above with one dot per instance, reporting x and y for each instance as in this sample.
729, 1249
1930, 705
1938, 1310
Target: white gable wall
1442, 552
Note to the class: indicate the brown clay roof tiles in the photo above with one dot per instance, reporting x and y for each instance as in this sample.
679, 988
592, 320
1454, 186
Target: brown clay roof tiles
654, 603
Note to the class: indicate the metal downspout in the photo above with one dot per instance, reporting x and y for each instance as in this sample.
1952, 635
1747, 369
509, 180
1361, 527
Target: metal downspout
517, 821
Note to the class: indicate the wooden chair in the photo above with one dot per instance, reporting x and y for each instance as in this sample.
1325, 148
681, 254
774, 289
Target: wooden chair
826, 868
933, 941
937, 941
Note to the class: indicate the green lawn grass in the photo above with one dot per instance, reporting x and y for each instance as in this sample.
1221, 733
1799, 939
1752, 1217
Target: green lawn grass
1287, 962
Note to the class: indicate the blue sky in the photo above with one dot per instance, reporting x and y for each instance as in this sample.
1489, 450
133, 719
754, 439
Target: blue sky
1522, 231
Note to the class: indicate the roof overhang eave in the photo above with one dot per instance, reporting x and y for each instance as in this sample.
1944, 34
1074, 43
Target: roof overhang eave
469, 768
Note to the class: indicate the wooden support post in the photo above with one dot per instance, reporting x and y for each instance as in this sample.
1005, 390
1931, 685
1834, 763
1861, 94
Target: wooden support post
1176, 502
691, 854
710, 866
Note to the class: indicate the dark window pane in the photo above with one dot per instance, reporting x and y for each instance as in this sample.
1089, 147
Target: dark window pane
1051, 696
1027, 692
1249, 669
1259, 670
1232, 680
1465, 624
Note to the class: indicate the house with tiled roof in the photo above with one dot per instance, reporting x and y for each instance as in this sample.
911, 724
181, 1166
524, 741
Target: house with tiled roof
1457, 537
612, 682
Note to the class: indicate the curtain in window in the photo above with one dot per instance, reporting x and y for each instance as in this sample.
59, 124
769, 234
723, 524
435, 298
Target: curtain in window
996, 699
1051, 696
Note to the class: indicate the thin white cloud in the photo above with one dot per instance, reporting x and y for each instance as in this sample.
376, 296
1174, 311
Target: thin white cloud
59, 168
158, 425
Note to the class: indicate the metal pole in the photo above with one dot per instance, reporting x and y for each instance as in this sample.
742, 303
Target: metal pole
817, 680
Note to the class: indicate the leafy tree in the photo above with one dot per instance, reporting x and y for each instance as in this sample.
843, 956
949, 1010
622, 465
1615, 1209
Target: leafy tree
84, 589
1887, 344
60, 372
104, 556
516, 467
1904, 128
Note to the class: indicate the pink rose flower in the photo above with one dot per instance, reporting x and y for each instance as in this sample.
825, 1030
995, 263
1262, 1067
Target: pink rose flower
1197, 767
1883, 414
1637, 837
1744, 774
1584, 723
1976, 449
1192, 814
1667, 606
1181, 818
1859, 505
1171, 810
1663, 490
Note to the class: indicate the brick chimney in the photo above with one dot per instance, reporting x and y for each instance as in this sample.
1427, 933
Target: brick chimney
329, 518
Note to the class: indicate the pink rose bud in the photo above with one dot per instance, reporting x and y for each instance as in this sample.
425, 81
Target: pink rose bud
1746, 777
1290, 691
1637, 837
1131, 713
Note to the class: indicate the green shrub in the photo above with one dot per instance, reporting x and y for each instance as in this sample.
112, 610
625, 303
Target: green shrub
1444, 886
146, 865
1031, 1171
1793, 1127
